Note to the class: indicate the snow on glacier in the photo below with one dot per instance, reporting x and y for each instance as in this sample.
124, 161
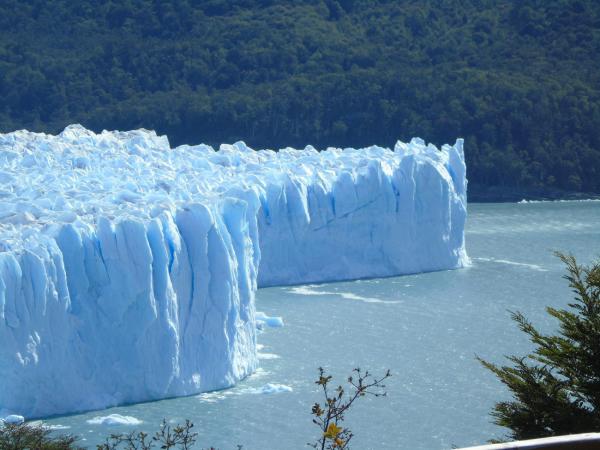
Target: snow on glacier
128, 268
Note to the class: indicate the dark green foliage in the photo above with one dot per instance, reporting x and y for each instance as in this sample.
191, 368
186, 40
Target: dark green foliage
556, 389
518, 79
34, 437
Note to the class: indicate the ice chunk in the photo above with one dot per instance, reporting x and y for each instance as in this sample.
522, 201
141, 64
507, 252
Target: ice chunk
270, 388
114, 419
262, 320
14, 419
128, 268
57, 427
262, 355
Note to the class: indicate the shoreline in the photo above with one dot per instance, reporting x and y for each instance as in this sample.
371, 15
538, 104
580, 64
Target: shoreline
499, 194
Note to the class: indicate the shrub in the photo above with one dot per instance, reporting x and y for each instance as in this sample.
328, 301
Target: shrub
556, 389
34, 437
330, 415
179, 437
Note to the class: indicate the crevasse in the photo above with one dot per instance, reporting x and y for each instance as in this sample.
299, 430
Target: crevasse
128, 268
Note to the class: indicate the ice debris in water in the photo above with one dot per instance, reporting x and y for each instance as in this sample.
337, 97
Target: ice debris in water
262, 320
270, 388
128, 268
114, 419
13, 419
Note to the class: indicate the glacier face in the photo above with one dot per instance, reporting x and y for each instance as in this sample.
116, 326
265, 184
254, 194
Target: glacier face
128, 269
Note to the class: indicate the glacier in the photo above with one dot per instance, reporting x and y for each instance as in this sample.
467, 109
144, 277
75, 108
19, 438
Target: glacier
128, 268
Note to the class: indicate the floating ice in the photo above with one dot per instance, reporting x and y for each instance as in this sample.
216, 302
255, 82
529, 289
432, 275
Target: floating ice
14, 419
262, 320
128, 268
309, 290
262, 355
513, 263
581, 200
114, 419
57, 427
270, 388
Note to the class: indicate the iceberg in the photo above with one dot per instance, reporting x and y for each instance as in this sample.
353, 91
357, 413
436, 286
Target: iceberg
128, 268
114, 419
13, 419
262, 321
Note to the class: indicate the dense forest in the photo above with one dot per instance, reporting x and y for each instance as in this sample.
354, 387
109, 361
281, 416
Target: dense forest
519, 80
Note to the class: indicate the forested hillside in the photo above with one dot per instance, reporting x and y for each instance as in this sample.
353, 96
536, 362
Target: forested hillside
520, 80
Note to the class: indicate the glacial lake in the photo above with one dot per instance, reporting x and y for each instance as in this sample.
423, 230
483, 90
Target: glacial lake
425, 328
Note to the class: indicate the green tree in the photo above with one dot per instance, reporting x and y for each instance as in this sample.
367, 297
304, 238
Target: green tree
518, 80
556, 389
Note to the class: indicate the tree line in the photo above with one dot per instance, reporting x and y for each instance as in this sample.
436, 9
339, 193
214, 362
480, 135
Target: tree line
520, 81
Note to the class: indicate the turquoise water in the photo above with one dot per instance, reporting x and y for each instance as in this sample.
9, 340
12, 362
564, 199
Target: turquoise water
426, 328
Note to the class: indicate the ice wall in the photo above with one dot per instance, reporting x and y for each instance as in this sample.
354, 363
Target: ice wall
348, 214
128, 269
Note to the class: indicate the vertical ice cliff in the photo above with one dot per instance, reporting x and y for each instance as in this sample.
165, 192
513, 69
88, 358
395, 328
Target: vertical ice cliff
339, 215
128, 269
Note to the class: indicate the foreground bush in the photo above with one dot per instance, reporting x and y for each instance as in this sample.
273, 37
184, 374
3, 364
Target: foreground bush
178, 437
330, 415
556, 388
34, 437
38, 437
